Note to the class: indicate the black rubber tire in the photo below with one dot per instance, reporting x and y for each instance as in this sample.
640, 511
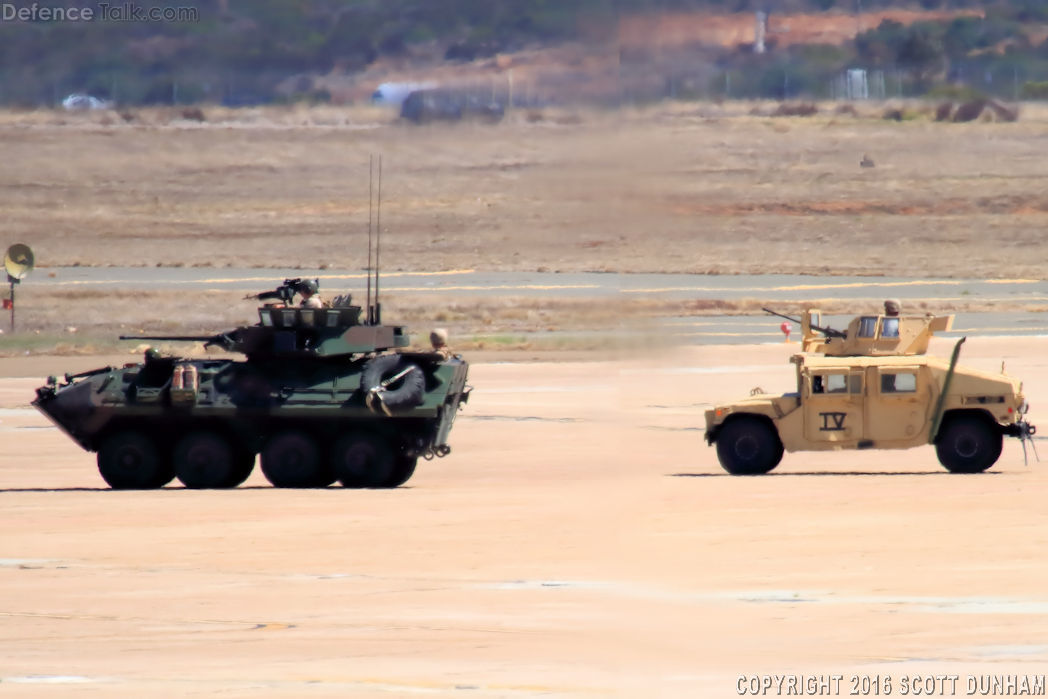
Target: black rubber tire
748, 447
130, 460
206, 460
404, 394
968, 444
361, 460
403, 470
243, 465
292, 460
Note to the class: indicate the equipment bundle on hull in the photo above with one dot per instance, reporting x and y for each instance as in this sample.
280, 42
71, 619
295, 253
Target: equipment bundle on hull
322, 396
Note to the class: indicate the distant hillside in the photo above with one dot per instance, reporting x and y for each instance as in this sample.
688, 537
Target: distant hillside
254, 51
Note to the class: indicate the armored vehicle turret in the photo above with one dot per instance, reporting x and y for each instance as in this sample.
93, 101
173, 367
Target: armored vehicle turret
325, 393
873, 387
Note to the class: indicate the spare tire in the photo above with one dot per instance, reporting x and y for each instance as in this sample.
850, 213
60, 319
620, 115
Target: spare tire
390, 384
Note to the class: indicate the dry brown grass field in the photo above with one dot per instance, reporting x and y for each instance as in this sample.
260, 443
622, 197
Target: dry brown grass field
716, 189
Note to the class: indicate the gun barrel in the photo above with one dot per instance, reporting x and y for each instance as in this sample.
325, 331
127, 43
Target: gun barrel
828, 332
776, 313
172, 338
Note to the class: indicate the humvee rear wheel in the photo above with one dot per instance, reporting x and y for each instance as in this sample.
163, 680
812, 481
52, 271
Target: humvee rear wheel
968, 444
292, 460
130, 460
363, 461
207, 460
747, 447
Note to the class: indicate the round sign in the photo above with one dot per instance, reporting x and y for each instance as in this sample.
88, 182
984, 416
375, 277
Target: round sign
785, 328
18, 261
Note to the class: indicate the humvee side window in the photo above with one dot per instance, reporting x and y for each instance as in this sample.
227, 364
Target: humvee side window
890, 327
868, 326
829, 383
836, 383
905, 382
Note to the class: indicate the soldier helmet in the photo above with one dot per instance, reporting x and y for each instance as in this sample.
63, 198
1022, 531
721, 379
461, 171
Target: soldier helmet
309, 286
439, 337
892, 306
152, 353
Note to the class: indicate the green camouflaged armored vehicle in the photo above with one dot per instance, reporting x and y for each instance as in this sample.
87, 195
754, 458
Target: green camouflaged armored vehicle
873, 387
323, 395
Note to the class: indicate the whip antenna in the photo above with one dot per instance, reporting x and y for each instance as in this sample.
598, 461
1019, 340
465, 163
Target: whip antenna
378, 240
371, 177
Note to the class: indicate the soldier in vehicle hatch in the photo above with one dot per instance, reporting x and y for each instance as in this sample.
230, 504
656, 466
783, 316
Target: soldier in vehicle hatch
439, 340
308, 291
891, 318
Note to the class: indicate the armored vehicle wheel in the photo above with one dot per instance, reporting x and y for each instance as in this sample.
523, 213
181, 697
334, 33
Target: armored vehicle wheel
292, 460
403, 469
207, 460
243, 465
165, 474
130, 460
363, 461
748, 446
968, 444
392, 384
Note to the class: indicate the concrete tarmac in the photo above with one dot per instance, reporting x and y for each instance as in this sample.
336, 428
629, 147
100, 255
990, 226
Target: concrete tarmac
581, 540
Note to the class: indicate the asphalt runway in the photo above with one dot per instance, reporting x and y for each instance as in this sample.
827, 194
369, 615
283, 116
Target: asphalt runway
867, 292
774, 287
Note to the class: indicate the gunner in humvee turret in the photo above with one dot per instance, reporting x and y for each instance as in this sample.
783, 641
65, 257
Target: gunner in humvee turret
890, 324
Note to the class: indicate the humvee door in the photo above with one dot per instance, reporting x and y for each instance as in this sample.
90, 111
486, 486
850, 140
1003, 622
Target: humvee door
833, 404
897, 404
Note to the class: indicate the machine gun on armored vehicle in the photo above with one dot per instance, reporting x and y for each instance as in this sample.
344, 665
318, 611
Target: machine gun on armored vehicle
873, 387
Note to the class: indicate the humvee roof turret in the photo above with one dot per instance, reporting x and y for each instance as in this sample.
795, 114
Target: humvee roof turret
874, 335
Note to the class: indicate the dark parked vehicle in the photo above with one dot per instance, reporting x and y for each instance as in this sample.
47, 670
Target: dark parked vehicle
423, 106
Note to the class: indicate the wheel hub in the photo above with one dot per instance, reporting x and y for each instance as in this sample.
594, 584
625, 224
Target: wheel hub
967, 447
746, 448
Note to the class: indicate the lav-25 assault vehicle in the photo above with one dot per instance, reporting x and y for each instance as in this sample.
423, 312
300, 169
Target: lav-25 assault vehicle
873, 387
321, 397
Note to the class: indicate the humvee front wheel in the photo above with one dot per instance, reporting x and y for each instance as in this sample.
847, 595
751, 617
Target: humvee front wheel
130, 460
748, 446
968, 444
